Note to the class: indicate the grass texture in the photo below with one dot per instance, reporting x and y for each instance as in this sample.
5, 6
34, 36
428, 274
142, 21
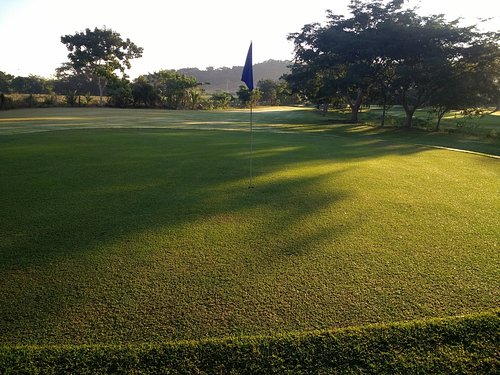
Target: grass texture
133, 226
456, 345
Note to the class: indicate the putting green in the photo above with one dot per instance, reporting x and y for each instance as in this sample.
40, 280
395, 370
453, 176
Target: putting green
135, 226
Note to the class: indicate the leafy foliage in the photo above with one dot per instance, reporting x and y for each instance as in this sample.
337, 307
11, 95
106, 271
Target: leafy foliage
120, 93
396, 54
5, 82
144, 92
182, 89
221, 99
169, 88
100, 53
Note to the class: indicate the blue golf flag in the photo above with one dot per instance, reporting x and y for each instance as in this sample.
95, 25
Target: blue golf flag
247, 75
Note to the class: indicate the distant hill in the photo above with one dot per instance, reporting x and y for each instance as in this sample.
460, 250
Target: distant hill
229, 79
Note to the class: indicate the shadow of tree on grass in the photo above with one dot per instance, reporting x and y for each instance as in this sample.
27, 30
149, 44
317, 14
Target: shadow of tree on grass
135, 235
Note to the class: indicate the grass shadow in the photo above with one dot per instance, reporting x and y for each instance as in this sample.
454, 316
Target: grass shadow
127, 234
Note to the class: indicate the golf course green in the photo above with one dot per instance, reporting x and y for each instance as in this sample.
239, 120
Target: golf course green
132, 226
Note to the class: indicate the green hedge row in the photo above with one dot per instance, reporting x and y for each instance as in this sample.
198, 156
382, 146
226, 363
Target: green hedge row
467, 344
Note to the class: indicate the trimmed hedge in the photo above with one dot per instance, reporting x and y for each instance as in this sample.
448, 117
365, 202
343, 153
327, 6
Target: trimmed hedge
466, 344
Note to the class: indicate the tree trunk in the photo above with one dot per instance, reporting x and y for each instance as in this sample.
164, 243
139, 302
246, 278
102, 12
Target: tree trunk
409, 114
409, 111
408, 120
440, 113
355, 107
384, 108
101, 89
438, 121
417, 101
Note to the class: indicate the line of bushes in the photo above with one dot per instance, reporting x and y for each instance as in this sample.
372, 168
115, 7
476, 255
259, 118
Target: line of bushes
15, 101
466, 344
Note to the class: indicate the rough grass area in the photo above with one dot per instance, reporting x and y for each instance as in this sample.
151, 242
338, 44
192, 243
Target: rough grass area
136, 226
447, 346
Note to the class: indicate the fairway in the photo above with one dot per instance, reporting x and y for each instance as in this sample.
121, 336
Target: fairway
121, 226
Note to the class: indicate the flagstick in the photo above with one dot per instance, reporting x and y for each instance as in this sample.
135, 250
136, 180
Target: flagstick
247, 77
251, 143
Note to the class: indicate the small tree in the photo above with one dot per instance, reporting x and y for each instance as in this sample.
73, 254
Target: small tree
173, 88
5, 82
247, 97
120, 93
269, 91
221, 99
143, 91
195, 97
284, 94
100, 53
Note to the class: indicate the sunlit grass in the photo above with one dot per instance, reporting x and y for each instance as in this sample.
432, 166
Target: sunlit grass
149, 231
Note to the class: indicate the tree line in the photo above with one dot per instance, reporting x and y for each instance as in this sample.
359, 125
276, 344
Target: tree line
96, 66
386, 54
382, 53
167, 89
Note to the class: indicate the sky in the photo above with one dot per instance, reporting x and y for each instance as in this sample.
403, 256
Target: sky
183, 33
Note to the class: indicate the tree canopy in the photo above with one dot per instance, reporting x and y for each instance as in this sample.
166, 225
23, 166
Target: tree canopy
99, 54
393, 52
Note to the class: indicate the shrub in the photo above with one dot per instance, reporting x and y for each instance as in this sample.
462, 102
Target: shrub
50, 100
71, 99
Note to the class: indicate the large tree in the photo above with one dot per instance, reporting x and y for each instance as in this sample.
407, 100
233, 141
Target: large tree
425, 53
484, 61
339, 60
69, 82
100, 53
471, 79
393, 51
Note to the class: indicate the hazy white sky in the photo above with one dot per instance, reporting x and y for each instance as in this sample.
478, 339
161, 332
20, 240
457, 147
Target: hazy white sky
181, 33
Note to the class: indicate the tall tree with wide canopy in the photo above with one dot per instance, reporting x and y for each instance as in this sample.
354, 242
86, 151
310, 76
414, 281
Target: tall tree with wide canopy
339, 60
100, 53
427, 54
471, 79
403, 55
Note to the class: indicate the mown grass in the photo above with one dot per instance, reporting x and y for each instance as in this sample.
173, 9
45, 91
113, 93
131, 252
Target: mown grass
485, 125
455, 345
123, 226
